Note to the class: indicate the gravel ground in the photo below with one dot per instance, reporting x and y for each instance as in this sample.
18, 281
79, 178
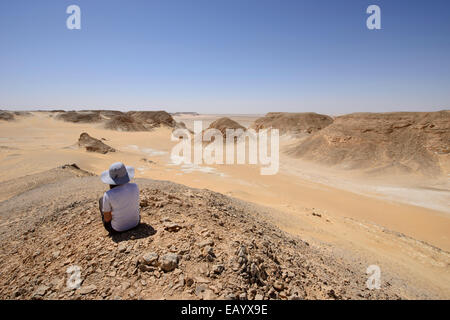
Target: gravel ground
191, 244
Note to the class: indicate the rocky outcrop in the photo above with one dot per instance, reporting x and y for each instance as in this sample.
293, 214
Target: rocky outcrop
6, 116
412, 142
12, 115
80, 116
293, 123
222, 124
124, 123
224, 249
153, 119
93, 145
120, 121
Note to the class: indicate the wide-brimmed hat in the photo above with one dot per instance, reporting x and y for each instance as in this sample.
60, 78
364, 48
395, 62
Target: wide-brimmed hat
118, 174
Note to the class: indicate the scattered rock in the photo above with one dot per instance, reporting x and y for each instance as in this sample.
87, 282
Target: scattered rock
201, 280
259, 297
172, 227
218, 268
122, 247
208, 242
278, 285
40, 291
201, 261
200, 289
150, 258
169, 262
88, 289
208, 295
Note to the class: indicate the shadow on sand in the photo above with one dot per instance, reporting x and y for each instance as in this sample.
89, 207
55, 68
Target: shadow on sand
143, 230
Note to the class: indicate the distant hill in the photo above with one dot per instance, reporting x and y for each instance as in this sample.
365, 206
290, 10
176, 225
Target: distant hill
409, 142
121, 121
293, 123
184, 113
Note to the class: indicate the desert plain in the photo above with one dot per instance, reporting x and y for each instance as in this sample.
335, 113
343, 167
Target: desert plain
384, 203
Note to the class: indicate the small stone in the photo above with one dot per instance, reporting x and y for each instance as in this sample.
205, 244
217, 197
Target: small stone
150, 258
199, 289
178, 271
122, 247
208, 242
169, 262
88, 289
208, 250
125, 286
201, 280
40, 291
19, 292
209, 295
171, 227
259, 297
189, 282
278, 285
218, 268
230, 296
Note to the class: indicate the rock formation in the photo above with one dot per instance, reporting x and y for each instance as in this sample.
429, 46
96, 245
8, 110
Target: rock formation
93, 145
412, 142
293, 123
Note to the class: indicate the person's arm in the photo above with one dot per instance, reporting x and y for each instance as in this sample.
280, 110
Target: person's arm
107, 210
107, 216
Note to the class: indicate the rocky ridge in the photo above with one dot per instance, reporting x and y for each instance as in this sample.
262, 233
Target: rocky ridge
120, 121
293, 123
398, 142
191, 244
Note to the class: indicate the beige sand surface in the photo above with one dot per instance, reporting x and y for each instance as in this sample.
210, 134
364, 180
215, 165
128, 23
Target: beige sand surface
403, 226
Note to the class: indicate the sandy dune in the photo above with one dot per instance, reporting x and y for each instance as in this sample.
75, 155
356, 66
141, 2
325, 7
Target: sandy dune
403, 224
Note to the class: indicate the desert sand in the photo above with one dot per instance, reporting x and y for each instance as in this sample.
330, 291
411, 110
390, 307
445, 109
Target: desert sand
400, 222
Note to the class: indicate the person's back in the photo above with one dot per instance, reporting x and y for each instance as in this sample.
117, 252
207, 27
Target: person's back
119, 206
123, 202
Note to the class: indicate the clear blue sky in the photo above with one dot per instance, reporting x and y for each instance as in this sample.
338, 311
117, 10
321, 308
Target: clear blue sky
226, 56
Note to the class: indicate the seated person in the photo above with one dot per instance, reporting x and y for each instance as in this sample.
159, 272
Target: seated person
119, 206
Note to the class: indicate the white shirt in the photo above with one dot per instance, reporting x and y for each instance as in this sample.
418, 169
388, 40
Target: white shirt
123, 202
